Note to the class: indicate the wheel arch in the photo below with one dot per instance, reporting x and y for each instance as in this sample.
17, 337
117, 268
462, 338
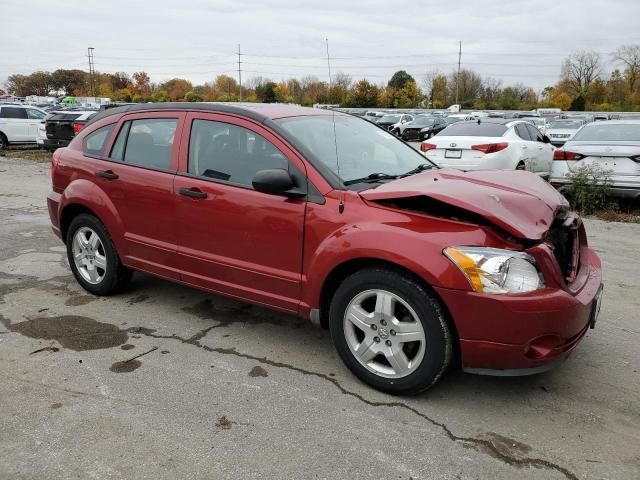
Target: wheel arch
71, 211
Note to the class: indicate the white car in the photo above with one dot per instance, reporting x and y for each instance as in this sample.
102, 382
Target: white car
561, 130
19, 124
612, 145
491, 144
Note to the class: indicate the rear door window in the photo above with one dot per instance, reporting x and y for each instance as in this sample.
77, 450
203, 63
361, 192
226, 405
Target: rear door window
534, 133
95, 142
34, 114
523, 132
146, 142
13, 112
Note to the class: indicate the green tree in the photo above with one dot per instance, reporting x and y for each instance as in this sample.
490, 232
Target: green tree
192, 97
267, 92
578, 104
400, 79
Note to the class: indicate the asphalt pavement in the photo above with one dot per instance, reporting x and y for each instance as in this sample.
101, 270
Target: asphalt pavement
165, 382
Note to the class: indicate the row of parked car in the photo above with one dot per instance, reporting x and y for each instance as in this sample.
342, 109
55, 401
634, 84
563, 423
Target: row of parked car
507, 144
50, 126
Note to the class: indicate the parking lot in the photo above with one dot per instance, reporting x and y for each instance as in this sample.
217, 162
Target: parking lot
168, 382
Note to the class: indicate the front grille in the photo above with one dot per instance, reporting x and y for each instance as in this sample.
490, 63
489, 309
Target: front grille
564, 238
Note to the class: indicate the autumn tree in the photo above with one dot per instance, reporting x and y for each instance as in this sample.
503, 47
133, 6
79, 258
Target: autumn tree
435, 89
579, 70
176, 88
68, 81
363, 94
629, 57
225, 88
468, 84
141, 85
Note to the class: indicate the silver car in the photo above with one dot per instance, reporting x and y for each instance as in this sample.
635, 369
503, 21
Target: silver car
613, 145
559, 131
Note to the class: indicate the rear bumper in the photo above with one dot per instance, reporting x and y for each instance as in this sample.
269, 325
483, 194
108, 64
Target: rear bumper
56, 142
525, 333
53, 205
616, 190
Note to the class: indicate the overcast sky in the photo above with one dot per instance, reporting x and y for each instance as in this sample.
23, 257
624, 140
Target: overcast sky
513, 41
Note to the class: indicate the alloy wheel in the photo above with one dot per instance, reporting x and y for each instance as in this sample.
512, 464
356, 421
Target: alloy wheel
384, 333
89, 255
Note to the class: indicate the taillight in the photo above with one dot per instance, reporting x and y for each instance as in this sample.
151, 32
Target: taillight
54, 164
490, 147
565, 155
425, 147
77, 127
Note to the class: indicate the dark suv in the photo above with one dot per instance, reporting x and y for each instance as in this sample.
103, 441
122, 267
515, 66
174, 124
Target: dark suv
326, 216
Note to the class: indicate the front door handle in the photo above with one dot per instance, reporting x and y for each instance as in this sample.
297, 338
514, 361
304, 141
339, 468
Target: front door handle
192, 192
108, 174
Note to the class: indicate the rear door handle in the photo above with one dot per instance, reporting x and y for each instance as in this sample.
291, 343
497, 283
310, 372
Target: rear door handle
108, 174
524, 147
192, 192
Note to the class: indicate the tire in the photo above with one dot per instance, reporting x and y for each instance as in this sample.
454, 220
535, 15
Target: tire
521, 166
425, 360
95, 279
3, 141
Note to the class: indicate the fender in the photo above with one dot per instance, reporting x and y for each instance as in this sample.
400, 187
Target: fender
88, 194
389, 242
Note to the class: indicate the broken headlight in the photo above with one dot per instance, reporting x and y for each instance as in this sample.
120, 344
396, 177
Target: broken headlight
493, 270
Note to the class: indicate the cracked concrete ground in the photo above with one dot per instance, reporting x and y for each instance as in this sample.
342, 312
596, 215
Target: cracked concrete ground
167, 382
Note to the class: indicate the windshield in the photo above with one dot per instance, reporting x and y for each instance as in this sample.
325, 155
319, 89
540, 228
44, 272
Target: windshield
353, 148
613, 132
474, 129
535, 121
390, 119
570, 124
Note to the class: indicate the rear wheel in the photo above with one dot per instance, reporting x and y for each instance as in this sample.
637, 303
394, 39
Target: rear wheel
3, 141
521, 166
390, 331
93, 257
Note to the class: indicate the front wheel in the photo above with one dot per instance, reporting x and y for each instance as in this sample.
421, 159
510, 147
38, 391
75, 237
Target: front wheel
93, 257
390, 331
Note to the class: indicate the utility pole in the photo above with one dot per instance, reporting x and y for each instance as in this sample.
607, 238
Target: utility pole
328, 61
91, 71
458, 76
239, 72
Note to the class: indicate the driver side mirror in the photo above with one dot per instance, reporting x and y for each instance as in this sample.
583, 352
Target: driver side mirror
546, 139
276, 181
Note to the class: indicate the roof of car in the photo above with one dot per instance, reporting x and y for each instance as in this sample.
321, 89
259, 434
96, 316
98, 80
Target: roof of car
498, 121
256, 111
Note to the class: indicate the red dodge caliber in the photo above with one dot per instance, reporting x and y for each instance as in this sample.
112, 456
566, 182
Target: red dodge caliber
327, 216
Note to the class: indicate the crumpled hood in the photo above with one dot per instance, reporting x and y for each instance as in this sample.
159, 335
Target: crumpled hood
520, 203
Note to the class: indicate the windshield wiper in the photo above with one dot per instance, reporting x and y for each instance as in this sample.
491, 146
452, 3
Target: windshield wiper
420, 168
372, 178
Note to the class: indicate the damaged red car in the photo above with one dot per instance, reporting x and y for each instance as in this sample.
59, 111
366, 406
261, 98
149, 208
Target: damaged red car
412, 268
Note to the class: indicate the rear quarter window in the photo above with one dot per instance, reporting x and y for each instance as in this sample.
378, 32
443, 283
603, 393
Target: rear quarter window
13, 112
95, 142
474, 129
